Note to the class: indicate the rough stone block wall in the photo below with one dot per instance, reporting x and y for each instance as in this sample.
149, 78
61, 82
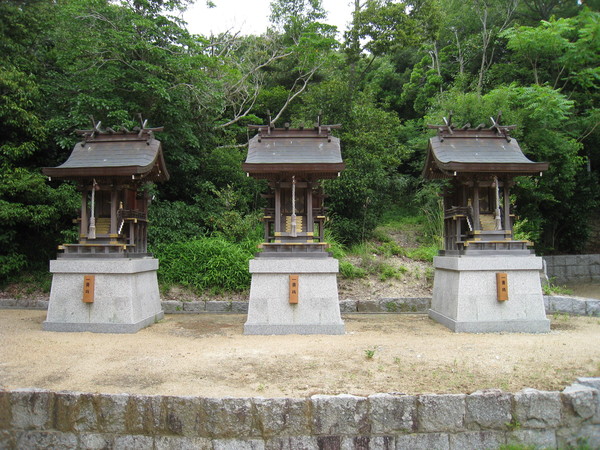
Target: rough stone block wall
419, 305
573, 268
32, 418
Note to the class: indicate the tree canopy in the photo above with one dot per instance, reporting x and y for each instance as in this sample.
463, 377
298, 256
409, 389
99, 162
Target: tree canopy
400, 65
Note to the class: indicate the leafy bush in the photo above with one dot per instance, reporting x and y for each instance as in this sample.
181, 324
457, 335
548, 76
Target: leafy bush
387, 271
423, 253
174, 221
380, 235
335, 246
392, 248
550, 288
208, 263
349, 270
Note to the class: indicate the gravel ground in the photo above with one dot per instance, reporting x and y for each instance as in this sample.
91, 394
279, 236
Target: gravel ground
207, 355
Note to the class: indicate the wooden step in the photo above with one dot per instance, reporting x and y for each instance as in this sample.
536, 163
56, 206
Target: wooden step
488, 222
102, 225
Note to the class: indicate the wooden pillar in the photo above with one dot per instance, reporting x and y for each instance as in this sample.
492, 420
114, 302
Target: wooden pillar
114, 200
463, 194
277, 209
507, 224
145, 238
310, 222
476, 225
132, 231
458, 233
83, 225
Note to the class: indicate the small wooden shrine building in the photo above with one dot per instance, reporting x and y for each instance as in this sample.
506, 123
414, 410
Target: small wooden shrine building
485, 280
110, 168
294, 278
480, 164
293, 160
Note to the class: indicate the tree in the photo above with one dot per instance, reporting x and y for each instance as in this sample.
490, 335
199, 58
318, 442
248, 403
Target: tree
553, 204
372, 153
32, 215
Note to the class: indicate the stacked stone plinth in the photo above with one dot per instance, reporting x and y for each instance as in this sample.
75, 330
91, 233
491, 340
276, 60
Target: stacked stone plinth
465, 297
126, 296
317, 310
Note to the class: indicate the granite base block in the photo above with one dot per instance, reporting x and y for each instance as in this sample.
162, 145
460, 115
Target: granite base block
317, 310
126, 297
465, 295
504, 326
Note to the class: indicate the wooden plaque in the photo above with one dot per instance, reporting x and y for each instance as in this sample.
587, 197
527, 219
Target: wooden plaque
294, 289
88, 288
502, 286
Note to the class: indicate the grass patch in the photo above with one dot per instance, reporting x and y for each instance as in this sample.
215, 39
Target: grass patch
350, 271
212, 263
389, 249
425, 253
402, 217
370, 352
553, 289
26, 284
387, 271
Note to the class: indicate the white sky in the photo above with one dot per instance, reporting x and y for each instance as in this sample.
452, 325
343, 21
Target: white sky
252, 16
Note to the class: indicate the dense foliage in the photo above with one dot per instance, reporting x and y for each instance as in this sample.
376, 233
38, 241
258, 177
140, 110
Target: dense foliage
400, 65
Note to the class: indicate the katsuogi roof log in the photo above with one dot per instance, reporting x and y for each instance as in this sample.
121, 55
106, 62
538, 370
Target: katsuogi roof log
480, 150
109, 153
311, 151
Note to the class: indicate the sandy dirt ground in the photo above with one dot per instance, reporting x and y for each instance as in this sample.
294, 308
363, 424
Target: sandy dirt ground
207, 355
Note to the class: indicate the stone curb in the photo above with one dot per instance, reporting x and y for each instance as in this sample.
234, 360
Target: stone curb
36, 418
416, 305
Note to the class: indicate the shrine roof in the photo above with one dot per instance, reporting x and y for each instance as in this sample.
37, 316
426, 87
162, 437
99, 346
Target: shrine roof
114, 154
477, 150
306, 150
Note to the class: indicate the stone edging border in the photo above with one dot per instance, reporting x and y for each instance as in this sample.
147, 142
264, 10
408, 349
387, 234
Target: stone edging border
417, 305
35, 418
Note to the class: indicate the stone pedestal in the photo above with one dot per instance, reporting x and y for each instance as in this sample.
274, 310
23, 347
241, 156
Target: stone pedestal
465, 294
126, 296
317, 310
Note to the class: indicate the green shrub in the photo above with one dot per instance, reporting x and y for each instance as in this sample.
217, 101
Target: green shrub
381, 236
387, 271
335, 246
31, 281
174, 221
550, 288
423, 253
208, 263
349, 270
390, 249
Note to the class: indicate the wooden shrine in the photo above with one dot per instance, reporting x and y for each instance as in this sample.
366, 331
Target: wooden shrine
110, 168
480, 164
107, 282
485, 280
294, 278
294, 160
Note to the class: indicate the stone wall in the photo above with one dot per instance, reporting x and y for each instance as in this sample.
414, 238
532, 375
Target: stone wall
415, 305
487, 419
563, 269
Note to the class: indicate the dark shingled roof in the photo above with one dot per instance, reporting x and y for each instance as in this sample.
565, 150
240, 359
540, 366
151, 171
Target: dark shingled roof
284, 150
114, 155
477, 151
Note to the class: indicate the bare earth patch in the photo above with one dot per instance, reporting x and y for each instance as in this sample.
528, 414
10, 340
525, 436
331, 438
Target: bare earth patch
415, 282
207, 355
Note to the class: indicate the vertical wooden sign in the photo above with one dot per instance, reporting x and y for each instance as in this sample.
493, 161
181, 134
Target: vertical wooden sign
293, 289
502, 286
88, 288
